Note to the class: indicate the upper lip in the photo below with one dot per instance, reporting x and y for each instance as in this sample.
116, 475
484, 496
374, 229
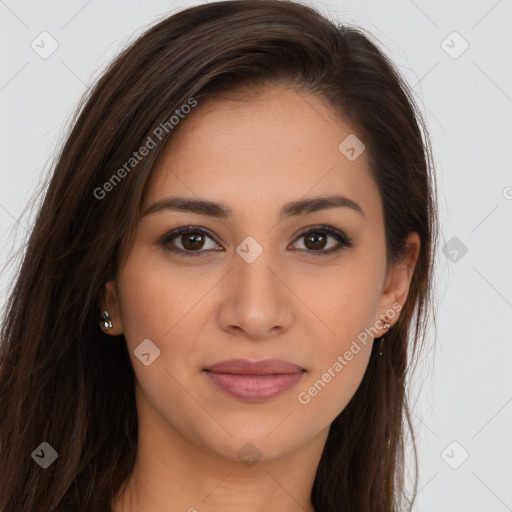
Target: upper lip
245, 367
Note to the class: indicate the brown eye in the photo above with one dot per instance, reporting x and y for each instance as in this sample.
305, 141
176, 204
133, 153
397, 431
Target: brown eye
315, 240
189, 241
192, 241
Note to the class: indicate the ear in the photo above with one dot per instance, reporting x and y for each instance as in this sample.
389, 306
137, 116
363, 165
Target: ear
398, 280
110, 302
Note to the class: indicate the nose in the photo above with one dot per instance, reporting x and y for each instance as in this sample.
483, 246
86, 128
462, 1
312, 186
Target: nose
257, 303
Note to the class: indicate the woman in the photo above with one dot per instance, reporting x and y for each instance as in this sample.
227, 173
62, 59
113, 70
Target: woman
228, 279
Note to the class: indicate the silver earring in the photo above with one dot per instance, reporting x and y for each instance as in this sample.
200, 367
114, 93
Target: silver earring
106, 322
385, 326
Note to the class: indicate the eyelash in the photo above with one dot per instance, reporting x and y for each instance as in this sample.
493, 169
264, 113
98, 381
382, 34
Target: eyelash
343, 240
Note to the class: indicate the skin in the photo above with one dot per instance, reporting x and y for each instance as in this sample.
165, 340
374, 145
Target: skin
290, 303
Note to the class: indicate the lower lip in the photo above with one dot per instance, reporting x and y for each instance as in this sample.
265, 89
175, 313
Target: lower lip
254, 388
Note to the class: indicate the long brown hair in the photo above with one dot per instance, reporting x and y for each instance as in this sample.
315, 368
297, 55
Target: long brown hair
64, 382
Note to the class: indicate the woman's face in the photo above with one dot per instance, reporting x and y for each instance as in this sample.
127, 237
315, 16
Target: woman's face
257, 283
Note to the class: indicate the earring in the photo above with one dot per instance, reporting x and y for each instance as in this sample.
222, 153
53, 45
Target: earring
106, 322
385, 326
380, 345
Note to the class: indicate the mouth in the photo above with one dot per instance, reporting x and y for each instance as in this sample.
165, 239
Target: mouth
254, 381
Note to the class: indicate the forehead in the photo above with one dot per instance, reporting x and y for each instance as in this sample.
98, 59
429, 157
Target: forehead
277, 146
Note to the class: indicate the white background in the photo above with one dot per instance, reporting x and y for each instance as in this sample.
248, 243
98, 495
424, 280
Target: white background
463, 386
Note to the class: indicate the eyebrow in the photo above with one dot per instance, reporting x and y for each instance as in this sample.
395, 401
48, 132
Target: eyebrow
223, 211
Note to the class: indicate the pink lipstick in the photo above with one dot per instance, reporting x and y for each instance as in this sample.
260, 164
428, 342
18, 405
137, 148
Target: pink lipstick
254, 381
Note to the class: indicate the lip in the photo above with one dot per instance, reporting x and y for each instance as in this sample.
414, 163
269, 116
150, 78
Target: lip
254, 381
245, 367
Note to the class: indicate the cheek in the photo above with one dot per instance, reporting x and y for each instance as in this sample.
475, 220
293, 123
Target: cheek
345, 300
335, 378
348, 307
158, 298
162, 305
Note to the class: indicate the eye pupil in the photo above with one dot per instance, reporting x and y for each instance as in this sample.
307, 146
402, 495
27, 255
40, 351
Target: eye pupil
316, 237
194, 238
